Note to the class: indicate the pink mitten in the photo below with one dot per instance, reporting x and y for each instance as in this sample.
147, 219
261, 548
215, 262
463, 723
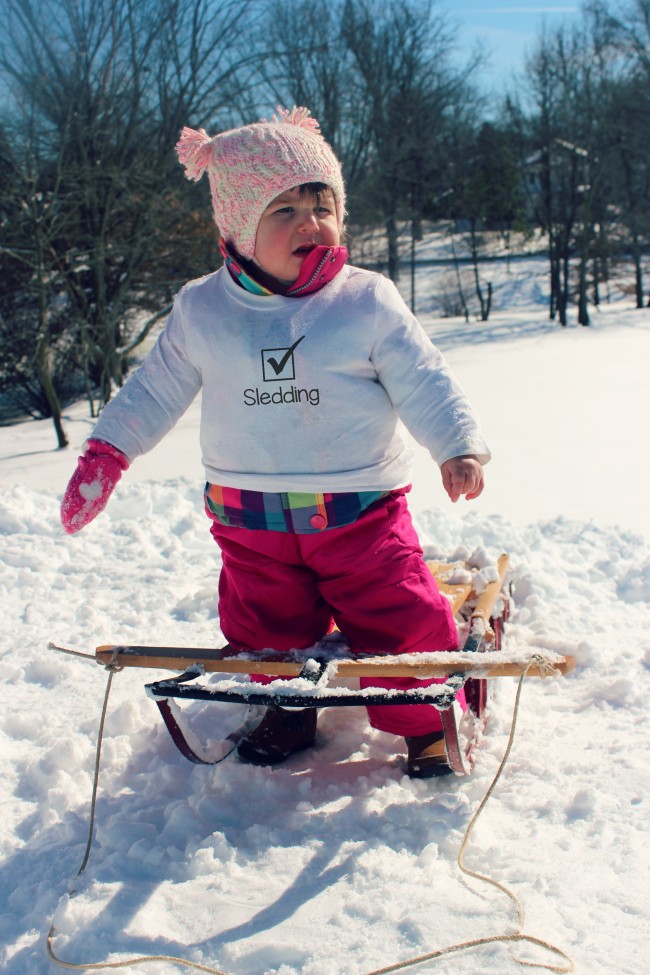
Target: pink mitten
98, 471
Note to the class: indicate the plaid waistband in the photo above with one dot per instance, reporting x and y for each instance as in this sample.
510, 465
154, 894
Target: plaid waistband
289, 511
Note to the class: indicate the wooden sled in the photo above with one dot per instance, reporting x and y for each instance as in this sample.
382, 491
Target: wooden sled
480, 617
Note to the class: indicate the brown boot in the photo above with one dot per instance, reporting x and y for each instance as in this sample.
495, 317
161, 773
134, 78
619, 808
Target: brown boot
427, 755
279, 734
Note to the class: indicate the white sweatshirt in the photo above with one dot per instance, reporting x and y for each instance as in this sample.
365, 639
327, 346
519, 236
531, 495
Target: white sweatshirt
298, 394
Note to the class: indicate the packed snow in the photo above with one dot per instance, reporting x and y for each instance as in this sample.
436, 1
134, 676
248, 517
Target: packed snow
337, 863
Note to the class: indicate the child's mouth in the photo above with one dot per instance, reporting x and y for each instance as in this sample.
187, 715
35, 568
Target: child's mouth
304, 249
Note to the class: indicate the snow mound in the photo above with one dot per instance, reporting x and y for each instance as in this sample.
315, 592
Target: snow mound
335, 861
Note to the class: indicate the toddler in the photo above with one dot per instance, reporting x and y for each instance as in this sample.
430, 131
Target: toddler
305, 365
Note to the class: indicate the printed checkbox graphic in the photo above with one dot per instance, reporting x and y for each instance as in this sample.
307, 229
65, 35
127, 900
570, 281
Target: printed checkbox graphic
278, 364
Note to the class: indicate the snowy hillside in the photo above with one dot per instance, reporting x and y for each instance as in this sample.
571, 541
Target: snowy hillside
337, 863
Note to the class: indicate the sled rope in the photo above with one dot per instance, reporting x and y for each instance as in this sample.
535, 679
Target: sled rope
73, 653
112, 667
517, 938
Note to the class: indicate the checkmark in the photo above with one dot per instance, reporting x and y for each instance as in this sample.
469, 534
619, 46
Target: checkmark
279, 366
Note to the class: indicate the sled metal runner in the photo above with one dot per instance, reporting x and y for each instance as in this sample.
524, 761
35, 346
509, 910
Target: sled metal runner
480, 618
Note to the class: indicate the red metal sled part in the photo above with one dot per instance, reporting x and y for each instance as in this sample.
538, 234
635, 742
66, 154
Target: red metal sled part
480, 617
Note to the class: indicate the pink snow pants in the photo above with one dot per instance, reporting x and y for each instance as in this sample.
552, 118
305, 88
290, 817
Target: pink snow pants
284, 590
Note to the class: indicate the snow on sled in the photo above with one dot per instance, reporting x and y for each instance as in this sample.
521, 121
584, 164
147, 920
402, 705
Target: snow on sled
480, 610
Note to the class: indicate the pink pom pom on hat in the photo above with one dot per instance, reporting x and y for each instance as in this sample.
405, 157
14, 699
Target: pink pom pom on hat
248, 167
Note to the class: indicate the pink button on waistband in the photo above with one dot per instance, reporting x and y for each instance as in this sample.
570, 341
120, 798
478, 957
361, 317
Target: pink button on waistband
318, 521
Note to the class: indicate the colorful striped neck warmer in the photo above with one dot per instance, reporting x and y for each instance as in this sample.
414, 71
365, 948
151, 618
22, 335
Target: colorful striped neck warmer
318, 268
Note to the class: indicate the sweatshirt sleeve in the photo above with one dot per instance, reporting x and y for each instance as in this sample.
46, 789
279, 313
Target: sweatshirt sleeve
424, 391
153, 400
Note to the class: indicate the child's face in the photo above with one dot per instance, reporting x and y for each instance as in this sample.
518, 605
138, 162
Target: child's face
291, 226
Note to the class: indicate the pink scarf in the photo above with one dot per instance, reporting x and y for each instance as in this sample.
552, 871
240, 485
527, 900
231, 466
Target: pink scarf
318, 268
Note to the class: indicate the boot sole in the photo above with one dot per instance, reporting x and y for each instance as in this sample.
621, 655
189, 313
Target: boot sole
255, 757
429, 771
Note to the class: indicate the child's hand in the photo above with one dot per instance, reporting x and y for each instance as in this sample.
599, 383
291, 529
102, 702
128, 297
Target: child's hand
98, 471
462, 475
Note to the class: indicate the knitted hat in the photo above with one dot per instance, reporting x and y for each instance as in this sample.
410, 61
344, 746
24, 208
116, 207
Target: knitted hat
248, 167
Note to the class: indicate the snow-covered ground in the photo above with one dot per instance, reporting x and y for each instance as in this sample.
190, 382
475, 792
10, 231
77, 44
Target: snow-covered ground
337, 863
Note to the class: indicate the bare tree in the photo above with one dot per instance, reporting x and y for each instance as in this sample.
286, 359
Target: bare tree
562, 164
624, 34
488, 193
318, 71
107, 86
34, 355
410, 87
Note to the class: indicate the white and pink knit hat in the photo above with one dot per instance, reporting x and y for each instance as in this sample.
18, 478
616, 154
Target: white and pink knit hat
248, 167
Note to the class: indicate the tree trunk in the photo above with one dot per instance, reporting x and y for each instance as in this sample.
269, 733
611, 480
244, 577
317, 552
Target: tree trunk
638, 271
554, 296
563, 295
414, 237
393, 251
43, 358
596, 281
603, 243
583, 304
45, 379
459, 280
484, 303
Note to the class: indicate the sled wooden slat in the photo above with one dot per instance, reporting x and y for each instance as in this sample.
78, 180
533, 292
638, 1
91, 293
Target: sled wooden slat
456, 592
418, 666
488, 598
